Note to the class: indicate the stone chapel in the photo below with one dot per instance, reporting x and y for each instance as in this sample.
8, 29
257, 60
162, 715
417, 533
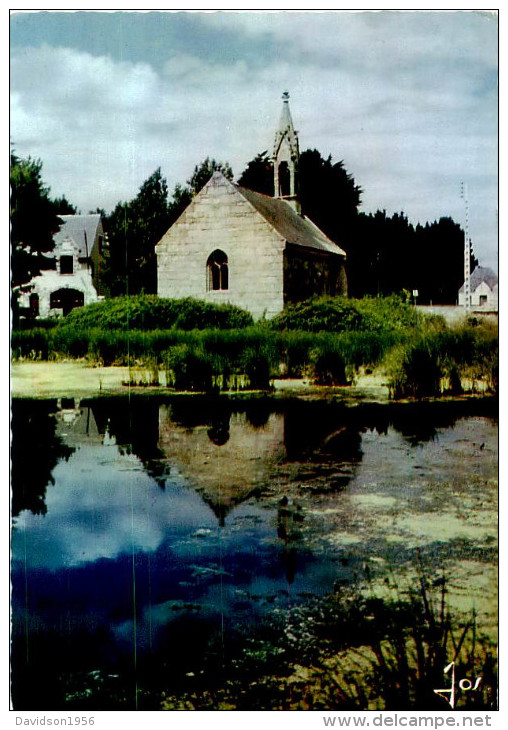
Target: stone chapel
258, 252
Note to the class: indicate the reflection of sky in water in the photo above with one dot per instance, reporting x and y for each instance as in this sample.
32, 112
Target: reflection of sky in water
106, 516
103, 504
116, 553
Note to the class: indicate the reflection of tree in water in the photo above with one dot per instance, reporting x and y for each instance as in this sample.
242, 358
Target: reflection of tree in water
317, 432
218, 433
36, 450
289, 519
134, 424
325, 436
323, 440
313, 430
214, 413
419, 423
193, 412
258, 412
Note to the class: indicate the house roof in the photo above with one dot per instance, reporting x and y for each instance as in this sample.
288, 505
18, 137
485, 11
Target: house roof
480, 274
82, 229
294, 228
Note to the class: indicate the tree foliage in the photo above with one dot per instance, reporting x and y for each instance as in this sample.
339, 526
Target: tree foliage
183, 194
133, 229
64, 207
328, 194
385, 254
204, 171
258, 175
34, 219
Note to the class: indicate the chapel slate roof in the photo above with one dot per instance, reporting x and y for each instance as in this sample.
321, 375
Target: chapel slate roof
482, 273
82, 229
294, 228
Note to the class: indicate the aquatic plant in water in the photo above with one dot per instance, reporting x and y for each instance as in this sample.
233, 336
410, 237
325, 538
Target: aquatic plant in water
350, 651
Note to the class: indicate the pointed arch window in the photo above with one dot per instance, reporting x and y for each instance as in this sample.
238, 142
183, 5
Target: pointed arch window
217, 271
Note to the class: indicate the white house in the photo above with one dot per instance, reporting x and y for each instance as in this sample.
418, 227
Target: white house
75, 277
484, 290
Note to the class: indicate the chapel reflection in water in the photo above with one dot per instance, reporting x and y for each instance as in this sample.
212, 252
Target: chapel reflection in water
228, 451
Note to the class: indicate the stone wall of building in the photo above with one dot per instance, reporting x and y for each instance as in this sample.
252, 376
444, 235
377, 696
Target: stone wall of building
307, 274
221, 218
225, 471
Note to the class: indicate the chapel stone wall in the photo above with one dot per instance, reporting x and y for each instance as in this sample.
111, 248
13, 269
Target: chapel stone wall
220, 218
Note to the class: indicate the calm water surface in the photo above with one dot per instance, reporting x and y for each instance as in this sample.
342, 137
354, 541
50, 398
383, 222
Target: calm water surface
149, 532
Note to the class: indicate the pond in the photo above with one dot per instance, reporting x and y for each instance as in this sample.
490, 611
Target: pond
155, 539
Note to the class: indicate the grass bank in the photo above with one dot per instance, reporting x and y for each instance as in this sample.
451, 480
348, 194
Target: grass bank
330, 342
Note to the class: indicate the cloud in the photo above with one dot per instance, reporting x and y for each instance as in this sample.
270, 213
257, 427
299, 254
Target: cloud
369, 40
74, 530
407, 100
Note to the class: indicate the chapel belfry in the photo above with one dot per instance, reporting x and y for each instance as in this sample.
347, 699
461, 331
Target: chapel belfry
285, 158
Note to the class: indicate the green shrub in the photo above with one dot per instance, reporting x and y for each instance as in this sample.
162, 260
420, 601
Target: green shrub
39, 323
256, 364
232, 343
392, 313
149, 312
421, 361
295, 347
477, 353
371, 314
188, 368
34, 344
196, 314
328, 366
110, 347
319, 314
454, 359
69, 342
366, 348
144, 375
416, 372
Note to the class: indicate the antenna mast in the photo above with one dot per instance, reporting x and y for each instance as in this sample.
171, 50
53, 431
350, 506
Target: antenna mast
467, 248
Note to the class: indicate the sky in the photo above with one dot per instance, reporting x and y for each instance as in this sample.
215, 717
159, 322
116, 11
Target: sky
407, 100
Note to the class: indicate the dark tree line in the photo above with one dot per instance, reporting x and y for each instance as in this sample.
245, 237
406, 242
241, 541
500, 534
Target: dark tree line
385, 254
36, 450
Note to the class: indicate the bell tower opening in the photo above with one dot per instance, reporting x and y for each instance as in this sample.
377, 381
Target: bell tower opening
284, 180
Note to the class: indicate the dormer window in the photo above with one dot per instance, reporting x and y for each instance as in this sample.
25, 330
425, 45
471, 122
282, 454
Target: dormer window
66, 265
217, 271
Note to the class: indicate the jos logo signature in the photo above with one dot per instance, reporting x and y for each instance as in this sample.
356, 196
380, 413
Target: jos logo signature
464, 684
